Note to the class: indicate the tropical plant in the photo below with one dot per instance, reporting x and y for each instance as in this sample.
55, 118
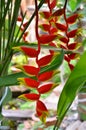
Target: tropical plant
59, 38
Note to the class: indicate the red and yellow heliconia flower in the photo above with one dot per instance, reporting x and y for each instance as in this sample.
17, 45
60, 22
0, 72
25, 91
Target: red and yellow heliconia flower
72, 19
45, 60
45, 39
53, 4
41, 110
29, 82
72, 33
46, 75
62, 38
61, 27
45, 14
31, 52
45, 88
58, 12
45, 27
30, 96
29, 70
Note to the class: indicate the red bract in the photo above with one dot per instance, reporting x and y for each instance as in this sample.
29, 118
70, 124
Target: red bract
30, 96
63, 39
30, 69
45, 27
45, 60
45, 14
61, 27
72, 19
45, 88
44, 39
40, 106
72, 33
45, 76
58, 12
30, 83
31, 52
53, 4
72, 56
42, 115
72, 46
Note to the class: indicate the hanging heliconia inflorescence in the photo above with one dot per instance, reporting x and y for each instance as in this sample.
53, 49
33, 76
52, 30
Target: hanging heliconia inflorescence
58, 35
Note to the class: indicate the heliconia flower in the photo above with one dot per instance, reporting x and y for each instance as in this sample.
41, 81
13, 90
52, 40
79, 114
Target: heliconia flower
67, 58
53, 4
30, 70
58, 12
72, 19
45, 88
46, 75
30, 96
72, 46
19, 19
63, 39
44, 39
61, 27
41, 110
31, 52
42, 116
45, 27
45, 14
28, 82
45, 60
40, 107
73, 56
72, 33
71, 66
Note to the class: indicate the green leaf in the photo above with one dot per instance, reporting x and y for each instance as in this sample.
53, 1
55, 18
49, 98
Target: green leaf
57, 61
74, 4
11, 79
73, 85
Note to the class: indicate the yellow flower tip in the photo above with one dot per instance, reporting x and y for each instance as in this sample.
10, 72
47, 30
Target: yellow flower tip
56, 72
55, 85
21, 80
22, 97
19, 67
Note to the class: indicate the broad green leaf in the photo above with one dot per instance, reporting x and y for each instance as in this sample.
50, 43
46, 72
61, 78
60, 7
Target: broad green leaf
11, 79
74, 4
73, 85
57, 61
